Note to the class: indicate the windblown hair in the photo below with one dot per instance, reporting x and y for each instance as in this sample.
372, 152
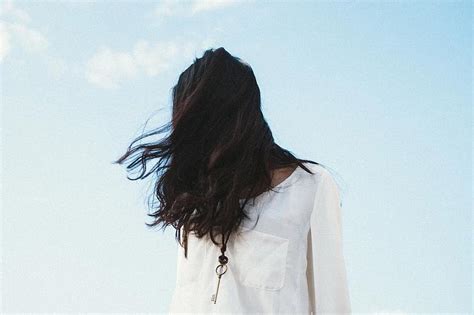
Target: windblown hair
219, 152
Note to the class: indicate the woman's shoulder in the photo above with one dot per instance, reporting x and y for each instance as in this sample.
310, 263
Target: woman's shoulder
323, 177
319, 171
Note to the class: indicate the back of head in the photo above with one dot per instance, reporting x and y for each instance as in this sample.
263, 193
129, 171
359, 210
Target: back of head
217, 116
220, 149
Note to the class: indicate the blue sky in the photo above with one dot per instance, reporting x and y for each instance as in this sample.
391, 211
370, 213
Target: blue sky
381, 92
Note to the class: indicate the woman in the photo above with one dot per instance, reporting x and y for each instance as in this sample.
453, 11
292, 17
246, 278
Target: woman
259, 230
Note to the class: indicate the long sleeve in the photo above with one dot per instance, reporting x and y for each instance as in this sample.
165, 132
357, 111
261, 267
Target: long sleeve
326, 270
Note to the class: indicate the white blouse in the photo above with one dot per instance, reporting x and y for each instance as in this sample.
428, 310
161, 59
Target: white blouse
291, 262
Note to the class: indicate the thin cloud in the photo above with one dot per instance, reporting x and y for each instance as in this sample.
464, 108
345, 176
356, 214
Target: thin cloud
15, 30
209, 5
8, 9
395, 312
5, 41
58, 67
109, 68
169, 8
30, 39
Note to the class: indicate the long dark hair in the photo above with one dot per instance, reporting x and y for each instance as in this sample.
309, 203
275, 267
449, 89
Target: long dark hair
220, 150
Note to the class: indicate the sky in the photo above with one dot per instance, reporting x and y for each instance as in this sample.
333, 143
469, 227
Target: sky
379, 91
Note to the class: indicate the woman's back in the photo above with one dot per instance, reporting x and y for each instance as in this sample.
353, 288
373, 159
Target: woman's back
291, 261
220, 149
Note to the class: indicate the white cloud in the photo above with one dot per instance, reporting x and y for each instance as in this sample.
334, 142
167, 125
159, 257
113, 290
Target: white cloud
390, 313
154, 58
8, 9
108, 68
208, 5
57, 67
5, 44
171, 7
29, 38
15, 30
168, 8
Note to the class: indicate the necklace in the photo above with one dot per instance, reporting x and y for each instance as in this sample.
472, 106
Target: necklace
222, 266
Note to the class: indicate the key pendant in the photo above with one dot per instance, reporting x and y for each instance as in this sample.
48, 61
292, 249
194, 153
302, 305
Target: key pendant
220, 270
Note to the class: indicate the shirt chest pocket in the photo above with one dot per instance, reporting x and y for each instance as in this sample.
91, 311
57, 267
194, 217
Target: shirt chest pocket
259, 259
